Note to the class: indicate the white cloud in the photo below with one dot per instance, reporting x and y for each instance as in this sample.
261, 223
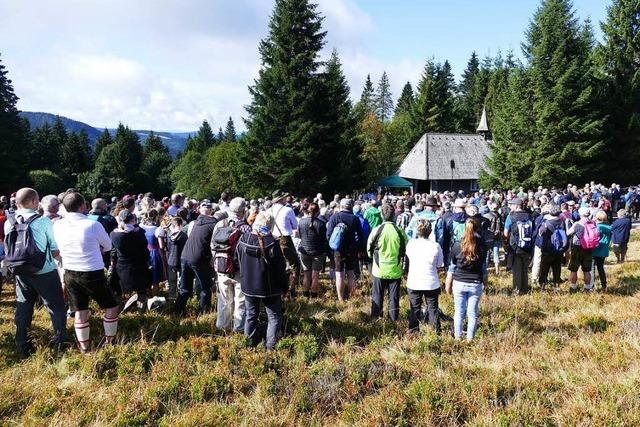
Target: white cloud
164, 64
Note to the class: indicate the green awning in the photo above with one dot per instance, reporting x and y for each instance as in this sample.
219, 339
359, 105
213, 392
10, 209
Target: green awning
394, 181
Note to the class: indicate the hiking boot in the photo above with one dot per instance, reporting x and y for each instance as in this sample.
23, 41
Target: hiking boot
573, 290
26, 352
588, 290
306, 294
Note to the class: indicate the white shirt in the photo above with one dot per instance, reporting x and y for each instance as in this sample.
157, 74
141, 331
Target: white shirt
425, 257
81, 242
285, 220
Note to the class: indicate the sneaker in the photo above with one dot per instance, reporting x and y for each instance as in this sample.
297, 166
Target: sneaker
573, 290
588, 290
557, 289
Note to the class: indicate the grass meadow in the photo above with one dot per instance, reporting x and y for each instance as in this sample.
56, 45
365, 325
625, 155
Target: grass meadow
542, 359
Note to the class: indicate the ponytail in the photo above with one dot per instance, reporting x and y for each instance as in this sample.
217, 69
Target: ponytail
469, 244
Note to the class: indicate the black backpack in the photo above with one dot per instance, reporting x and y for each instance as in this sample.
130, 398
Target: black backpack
225, 241
23, 255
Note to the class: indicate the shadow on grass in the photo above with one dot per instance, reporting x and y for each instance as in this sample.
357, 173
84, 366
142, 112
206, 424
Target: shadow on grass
628, 284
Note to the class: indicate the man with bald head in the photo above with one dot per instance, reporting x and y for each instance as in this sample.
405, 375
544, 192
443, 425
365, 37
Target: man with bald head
44, 283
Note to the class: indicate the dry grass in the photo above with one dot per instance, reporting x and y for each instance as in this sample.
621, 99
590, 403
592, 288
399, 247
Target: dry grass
541, 359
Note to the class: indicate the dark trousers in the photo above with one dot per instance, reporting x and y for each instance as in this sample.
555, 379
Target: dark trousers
252, 330
28, 289
202, 274
392, 288
431, 300
520, 270
173, 280
551, 262
599, 262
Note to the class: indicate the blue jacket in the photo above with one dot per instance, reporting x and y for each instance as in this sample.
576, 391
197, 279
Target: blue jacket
621, 231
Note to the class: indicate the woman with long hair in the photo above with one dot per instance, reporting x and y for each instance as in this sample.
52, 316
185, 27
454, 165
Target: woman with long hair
466, 278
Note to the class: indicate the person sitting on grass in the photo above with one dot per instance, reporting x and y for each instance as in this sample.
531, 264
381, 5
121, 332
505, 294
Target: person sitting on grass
467, 277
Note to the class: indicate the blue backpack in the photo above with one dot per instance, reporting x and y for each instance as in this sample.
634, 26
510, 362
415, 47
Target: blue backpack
337, 236
559, 240
23, 255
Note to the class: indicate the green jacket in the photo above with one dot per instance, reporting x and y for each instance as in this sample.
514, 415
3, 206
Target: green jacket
373, 217
388, 263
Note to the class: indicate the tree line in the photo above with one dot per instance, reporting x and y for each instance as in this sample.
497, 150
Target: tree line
567, 110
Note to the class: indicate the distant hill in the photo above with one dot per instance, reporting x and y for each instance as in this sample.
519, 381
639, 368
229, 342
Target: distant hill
175, 141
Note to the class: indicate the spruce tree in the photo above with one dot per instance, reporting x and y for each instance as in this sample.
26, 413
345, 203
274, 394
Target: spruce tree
405, 102
367, 98
513, 128
618, 60
76, 157
157, 164
59, 138
104, 140
220, 137
203, 140
445, 89
339, 167
568, 142
42, 143
230, 131
464, 102
383, 100
283, 136
425, 112
13, 139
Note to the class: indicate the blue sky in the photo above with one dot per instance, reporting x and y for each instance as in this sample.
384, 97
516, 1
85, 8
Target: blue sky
169, 64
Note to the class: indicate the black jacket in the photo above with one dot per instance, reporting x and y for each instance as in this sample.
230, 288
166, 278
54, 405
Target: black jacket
262, 276
175, 246
197, 250
313, 236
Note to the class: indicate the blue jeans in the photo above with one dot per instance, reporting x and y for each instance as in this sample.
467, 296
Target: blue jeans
494, 253
252, 330
203, 275
466, 298
28, 288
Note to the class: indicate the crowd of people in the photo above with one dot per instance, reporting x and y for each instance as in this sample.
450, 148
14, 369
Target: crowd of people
137, 253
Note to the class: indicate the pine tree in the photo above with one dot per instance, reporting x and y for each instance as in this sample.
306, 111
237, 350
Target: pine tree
383, 100
13, 139
445, 89
41, 145
406, 100
76, 157
129, 143
367, 98
104, 140
339, 167
230, 131
283, 136
202, 141
568, 140
424, 115
157, 165
513, 124
220, 137
59, 138
618, 60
